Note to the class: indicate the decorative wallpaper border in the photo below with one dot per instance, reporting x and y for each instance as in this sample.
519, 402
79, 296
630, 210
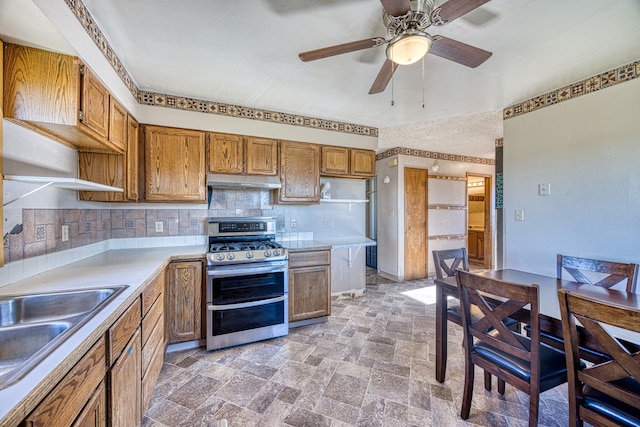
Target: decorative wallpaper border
604, 80
199, 105
499, 142
433, 155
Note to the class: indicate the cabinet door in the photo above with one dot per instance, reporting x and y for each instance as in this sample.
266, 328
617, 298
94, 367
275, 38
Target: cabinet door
132, 160
94, 413
125, 387
94, 103
184, 301
117, 124
226, 153
335, 161
363, 163
262, 156
299, 173
472, 244
174, 164
101, 168
309, 294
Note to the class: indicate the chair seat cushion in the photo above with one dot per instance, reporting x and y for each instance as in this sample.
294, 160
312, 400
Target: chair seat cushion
557, 342
620, 412
553, 366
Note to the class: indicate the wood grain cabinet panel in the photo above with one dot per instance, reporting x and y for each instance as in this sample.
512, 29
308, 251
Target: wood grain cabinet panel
335, 161
57, 96
125, 386
226, 153
309, 285
363, 163
299, 173
65, 402
174, 163
117, 124
346, 162
132, 160
262, 156
94, 413
184, 301
121, 331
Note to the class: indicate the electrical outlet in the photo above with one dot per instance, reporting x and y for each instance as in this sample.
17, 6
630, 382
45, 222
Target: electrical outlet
294, 223
65, 233
159, 226
327, 223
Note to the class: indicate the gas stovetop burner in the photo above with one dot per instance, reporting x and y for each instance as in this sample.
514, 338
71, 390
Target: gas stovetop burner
243, 246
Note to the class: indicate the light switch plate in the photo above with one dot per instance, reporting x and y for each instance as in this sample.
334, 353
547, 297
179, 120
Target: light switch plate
544, 189
519, 215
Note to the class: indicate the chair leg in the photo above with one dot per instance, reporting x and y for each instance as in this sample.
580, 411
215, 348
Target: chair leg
468, 390
534, 400
487, 381
500, 386
441, 334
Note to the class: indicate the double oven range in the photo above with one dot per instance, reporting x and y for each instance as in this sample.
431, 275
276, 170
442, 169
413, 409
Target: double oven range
247, 282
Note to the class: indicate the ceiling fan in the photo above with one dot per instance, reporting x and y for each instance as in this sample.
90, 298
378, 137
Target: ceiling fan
406, 22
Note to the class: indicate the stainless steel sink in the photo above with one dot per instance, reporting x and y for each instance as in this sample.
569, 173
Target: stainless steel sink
32, 325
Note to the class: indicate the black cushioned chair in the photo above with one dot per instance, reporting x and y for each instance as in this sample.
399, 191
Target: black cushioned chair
606, 393
512, 357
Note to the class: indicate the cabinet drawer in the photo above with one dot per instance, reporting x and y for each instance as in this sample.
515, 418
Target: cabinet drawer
308, 259
120, 333
149, 321
66, 400
151, 293
156, 339
150, 377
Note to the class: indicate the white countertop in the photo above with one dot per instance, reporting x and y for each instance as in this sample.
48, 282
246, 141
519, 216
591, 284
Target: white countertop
132, 267
345, 242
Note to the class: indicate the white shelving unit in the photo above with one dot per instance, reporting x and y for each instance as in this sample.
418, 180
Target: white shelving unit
350, 201
60, 182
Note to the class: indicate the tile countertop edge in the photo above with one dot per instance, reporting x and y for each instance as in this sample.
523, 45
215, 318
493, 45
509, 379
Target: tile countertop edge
132, 267
322, 243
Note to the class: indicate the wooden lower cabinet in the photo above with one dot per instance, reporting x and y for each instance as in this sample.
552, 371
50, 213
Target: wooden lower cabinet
125, 388
65, 403
94, 413
153, 337
183, 301
309, 285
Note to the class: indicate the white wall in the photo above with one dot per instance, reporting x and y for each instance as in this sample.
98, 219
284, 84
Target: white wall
587, 148
391, 207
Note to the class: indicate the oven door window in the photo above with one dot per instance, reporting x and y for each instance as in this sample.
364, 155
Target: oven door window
246, 288
242, 319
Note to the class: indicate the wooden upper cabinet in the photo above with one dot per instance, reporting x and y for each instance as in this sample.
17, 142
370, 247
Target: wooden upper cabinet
57, 96
299, 173
117, 124
132, 159
262, 156
174, 163
226, 153
363, 163
237, 154
347, 162
335, 161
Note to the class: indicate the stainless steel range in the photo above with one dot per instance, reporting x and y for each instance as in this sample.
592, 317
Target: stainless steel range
247, 282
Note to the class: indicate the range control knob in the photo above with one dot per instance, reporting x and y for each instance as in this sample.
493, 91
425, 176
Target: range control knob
230, 257
249, 255
276, 252
267, 253
220, 257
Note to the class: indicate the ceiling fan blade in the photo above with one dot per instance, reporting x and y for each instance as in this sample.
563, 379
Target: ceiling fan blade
454, 9
459, 52
396, 7
383, 77
338, 49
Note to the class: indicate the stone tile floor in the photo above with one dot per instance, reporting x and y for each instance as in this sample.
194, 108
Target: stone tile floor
371, 364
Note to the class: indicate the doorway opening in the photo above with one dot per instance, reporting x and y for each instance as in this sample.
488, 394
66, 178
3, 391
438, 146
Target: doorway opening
479, 233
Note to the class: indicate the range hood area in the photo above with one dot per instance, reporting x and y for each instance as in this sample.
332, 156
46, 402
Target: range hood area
243, 182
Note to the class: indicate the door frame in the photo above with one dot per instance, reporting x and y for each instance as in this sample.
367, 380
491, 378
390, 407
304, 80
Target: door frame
488, 230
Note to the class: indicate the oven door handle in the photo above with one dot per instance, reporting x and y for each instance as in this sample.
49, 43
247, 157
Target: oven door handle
212, 307
248, 270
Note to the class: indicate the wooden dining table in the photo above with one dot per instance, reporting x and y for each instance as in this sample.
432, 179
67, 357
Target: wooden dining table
550, 319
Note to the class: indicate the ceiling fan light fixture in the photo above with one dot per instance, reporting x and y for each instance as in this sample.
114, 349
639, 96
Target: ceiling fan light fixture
409, 47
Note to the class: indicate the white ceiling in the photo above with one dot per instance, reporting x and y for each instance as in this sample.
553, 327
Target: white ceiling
244, 52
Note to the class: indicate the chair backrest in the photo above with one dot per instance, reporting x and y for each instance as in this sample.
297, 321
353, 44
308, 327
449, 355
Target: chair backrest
608, 376
447, 261
498, 300
614, 272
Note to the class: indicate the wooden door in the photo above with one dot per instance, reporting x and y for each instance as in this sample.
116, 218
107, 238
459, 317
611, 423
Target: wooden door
262, 156
415, 223
125, 386
299, 173
226, 153
174, 164
334, 161
183, 301
132, 158
94, 103
483, 238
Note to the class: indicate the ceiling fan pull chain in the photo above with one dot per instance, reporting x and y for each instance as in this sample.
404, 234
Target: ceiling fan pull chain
392, 103
423, 82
